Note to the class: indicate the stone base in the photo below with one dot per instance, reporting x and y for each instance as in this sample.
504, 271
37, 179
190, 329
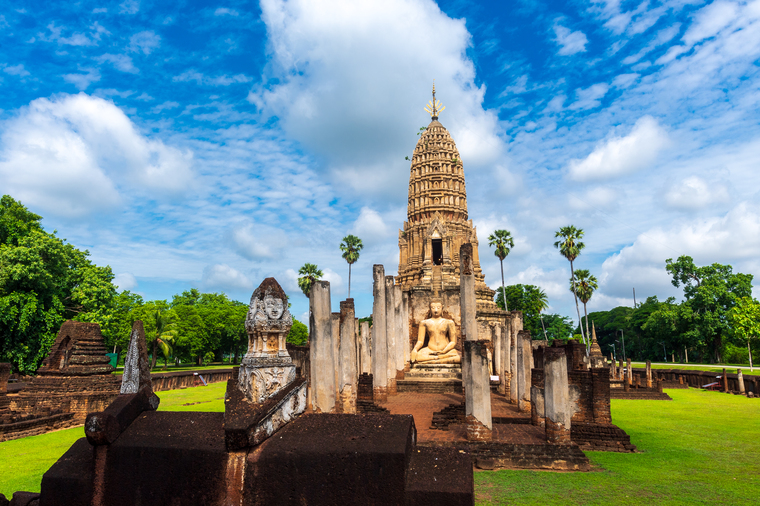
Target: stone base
347, 399
380, 394
392, 387
261, 381
556, 433
476, 431
432, 378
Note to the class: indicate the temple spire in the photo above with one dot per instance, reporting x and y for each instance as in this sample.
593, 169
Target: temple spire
434, 107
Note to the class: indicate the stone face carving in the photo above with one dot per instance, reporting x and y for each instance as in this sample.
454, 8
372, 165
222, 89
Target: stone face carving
441, 334
267, 367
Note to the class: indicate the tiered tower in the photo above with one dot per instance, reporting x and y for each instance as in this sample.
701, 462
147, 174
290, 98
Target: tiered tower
437, 225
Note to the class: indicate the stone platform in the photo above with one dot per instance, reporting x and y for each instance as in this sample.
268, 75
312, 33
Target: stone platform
515, 445
432, 379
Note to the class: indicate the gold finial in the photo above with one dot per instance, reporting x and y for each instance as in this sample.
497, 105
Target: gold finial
434, 106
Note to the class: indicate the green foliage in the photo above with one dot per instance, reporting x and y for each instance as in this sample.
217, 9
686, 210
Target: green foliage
710, 292
299, 334
557, 327
502, 240
308, 275
529, 299
745, 319
351, 246
43, 281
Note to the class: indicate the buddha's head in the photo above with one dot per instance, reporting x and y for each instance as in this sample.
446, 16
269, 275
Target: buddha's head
436, 308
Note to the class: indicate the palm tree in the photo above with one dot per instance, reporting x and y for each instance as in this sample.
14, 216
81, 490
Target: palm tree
164, 322
350, 247
585, 285
502, 239
309, 274
570, 247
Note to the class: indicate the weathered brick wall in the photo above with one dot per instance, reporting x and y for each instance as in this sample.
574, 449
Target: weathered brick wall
582, 383
601, 395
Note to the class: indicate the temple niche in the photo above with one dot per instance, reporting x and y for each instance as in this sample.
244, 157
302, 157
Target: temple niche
437, 225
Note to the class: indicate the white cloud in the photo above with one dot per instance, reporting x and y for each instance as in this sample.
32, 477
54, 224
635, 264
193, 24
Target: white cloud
623, 155
82, 81
68, 155
119, 61
570, 42
590, 97
696, 193
370, 226
624, 80
340, 67
130, 6
125, 281
224, 11
224, 278
594, 198
162, 107
145, 41
224, 80
710, 20
731, 238
75, 39
16, 70
256, 241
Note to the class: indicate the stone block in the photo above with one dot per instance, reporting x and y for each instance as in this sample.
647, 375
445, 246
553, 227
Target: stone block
441, 477
333, 459
104, 427
69, 482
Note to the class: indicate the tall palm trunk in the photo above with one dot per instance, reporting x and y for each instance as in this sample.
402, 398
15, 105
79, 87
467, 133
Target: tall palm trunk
153, 360
503, 293
349, 281
577, 308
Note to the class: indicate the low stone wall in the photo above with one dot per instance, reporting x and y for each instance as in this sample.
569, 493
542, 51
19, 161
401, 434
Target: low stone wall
601, 437
36, 426
695, 379
182, 379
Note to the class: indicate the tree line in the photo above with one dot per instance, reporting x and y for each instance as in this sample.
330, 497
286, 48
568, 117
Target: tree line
717, 320
44, 281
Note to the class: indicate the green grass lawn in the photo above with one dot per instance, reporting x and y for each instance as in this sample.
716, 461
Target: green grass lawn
174, 368
700, 448
24, 461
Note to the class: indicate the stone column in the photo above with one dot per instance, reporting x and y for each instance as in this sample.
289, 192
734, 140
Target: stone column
556, 397
725, 381
390, 333
612, 370
649, 374
629, 372
335, 322
366, 348
741, 381
321, 355
477, 390
523, 370
513, 364
496, 339
405, 329
399, 330
503, 336
379, 343
349, 379
467, 293
620, 369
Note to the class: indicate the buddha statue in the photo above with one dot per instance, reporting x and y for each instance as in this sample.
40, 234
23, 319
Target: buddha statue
441, 339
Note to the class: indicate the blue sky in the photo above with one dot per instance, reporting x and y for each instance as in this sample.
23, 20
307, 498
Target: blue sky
211, 145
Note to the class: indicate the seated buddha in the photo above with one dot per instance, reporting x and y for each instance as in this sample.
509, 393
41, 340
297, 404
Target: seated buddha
441, 339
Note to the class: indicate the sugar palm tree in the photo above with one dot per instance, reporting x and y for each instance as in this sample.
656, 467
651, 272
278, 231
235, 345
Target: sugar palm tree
585, 285
570, 247
350, 247
164, 322
502, 239
309, 274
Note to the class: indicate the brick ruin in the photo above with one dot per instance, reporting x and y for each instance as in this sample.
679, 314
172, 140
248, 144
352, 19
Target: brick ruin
74, 379
133, 454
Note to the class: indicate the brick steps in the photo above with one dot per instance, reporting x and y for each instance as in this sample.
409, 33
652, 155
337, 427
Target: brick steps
494, 455
429, 385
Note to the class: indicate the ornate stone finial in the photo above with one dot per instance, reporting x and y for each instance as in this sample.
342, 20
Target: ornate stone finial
434, 106
596, 350
136, 364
